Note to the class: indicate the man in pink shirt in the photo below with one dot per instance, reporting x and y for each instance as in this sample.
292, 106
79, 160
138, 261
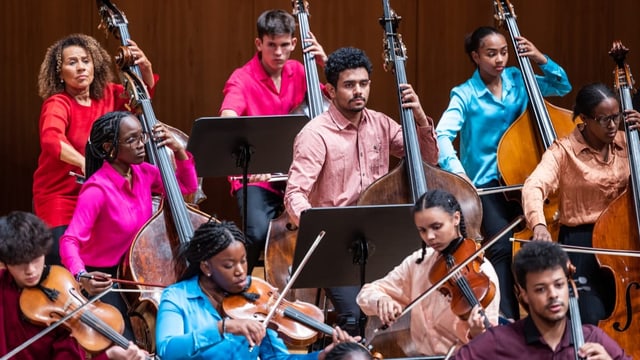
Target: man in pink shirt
345, 149
269, 84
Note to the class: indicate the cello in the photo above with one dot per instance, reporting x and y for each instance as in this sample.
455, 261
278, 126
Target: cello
411, 178
150, 258
282, 234
524, 142
618, 227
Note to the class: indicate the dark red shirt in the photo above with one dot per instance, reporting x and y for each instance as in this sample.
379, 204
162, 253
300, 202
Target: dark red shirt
522, 340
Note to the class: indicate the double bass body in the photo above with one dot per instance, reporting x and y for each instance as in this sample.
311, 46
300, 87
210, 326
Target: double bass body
618, 227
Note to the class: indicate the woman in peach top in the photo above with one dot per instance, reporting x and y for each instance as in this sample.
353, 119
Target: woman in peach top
434, 327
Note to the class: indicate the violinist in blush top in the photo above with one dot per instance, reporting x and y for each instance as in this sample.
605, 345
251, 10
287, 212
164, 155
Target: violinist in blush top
434, 326
542, 276
191, 323
24, 241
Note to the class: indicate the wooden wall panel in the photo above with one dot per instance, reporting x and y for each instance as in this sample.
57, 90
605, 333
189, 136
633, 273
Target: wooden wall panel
195, 44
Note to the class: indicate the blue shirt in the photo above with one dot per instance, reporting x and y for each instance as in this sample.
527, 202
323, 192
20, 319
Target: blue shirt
482, 119
187, 328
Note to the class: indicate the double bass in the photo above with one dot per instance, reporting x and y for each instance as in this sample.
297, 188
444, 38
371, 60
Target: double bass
412, 177
618, 227
151, 257
524, 142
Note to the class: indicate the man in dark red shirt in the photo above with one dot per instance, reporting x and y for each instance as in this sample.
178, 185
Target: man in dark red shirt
24, 241
541, 272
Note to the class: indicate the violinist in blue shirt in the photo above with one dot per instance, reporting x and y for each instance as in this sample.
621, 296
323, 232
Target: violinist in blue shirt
190, 323
481, 109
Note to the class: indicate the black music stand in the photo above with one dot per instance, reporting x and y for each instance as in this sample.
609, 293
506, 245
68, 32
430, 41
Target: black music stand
370, 239
361, 244
260, 144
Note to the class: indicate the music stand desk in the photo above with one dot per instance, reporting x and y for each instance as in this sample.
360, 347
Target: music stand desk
388, 231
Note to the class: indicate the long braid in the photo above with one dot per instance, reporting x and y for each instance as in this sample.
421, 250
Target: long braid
208, 240
445, 201
105, 129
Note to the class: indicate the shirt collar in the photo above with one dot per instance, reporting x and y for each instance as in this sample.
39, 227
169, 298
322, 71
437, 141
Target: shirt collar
259, 71
579, 144
193, 288
114, 176
481, 88
532, 335
341, 121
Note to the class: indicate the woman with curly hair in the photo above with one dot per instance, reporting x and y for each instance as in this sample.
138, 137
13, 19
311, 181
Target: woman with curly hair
75, 84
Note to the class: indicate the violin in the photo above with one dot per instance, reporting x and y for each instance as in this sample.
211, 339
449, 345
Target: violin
95, 327
470, 286
298, 323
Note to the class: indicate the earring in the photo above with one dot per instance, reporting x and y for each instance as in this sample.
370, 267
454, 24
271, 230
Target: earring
208, 275
61, 81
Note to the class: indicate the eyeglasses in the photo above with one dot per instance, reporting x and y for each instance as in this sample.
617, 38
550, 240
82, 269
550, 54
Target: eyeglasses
604, 120
133, 140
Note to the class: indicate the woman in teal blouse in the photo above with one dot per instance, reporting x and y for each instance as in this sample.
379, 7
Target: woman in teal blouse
481, 109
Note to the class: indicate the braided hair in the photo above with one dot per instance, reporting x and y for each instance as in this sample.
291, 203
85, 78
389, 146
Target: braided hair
445, 201
344, 350
208, 240
104, 130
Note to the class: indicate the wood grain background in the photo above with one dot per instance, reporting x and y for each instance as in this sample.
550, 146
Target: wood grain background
195, 44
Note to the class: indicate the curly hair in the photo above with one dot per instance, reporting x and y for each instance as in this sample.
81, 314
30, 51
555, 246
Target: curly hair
23, 237
208, 240
537, 256
344, 59
50, 79
445, 201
